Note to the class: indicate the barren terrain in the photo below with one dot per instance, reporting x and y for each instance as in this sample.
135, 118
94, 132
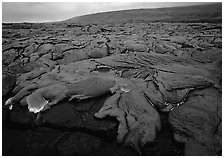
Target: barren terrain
113, 88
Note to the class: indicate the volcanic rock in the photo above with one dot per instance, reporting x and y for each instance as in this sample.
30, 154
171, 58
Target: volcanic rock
197, 120
8, 83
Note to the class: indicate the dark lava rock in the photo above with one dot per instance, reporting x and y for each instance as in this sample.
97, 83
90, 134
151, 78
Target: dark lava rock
14, 141
193, 148
42, 141
76, 143
171, 55
8, 83
5, 114
197, 120
80, 115
21, 116
114, 149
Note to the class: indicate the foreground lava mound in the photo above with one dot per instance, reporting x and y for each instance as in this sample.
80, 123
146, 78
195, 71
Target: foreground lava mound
107, 89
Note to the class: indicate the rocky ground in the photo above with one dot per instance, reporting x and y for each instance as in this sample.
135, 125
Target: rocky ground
112, 89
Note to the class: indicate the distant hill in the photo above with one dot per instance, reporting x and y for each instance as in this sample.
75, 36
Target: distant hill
200, 13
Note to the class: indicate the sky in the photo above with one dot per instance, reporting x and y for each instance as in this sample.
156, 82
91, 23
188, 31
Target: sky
57, 11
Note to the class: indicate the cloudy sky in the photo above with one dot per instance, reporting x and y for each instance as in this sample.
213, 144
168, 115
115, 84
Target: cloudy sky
56, 11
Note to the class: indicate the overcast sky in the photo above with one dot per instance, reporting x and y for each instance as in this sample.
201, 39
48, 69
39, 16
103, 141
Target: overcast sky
56, 11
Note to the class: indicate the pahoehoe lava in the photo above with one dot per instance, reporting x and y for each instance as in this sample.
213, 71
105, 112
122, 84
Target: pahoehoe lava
112, 88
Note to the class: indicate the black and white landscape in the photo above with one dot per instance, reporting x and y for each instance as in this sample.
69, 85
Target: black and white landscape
124, 83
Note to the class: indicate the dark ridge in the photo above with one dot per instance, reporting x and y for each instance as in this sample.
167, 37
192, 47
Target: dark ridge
200, 13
